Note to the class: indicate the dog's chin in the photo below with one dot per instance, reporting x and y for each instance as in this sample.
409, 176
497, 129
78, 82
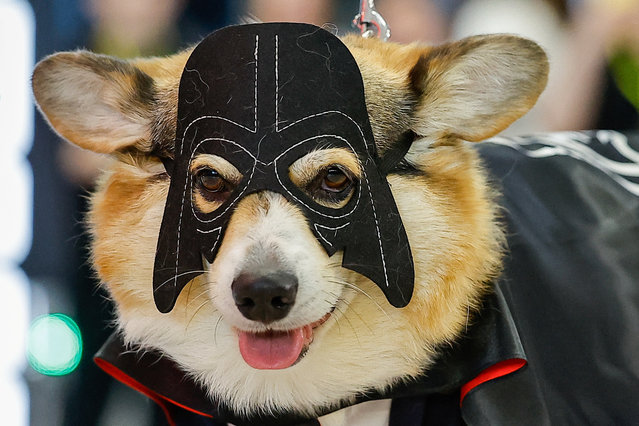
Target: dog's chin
277, 349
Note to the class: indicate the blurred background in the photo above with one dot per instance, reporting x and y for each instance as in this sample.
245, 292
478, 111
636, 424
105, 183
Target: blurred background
53, 314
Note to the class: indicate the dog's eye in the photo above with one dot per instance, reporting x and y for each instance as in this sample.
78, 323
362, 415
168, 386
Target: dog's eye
335, 180
332, 185
211, 180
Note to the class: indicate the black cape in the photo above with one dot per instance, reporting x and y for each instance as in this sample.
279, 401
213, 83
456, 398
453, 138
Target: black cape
557, 342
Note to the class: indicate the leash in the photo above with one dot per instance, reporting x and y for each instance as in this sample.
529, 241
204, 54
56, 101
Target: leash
370, 22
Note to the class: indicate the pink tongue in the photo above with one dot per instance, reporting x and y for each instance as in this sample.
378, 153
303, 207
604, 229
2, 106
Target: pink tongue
274, 349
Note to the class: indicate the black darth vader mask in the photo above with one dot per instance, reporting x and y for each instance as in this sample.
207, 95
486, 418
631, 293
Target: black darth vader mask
262, 96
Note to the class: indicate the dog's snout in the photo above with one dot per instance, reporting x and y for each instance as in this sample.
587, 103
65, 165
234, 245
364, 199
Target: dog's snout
265, 299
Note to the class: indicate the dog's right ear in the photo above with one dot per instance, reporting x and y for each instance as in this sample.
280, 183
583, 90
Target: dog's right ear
95, 101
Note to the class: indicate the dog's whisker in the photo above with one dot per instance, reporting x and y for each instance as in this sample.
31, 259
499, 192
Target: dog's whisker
202, 293
359, 343
188, 295
341, 314
174, 277
354, 311
196, 312
356, 288
172, 269
217, 323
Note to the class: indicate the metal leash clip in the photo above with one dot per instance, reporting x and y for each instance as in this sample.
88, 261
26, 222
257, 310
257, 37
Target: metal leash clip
370, 22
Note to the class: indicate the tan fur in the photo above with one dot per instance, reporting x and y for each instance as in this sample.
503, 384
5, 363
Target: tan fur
461, 91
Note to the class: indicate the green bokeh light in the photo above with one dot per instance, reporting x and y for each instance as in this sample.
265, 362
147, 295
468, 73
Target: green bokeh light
625, 70
55, 345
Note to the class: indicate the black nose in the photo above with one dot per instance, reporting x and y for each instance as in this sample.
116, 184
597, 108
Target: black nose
265, 299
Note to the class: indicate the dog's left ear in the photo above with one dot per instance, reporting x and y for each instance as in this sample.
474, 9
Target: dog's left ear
474, 88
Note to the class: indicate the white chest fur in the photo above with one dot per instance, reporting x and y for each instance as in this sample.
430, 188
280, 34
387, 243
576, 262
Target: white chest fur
371, 413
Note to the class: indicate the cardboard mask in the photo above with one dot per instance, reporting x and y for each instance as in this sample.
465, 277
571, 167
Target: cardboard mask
262, 96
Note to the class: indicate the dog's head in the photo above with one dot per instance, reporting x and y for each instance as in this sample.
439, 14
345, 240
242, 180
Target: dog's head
273, 321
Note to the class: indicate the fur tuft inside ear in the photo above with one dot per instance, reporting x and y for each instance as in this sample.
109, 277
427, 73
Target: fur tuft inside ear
474, 88
96, 102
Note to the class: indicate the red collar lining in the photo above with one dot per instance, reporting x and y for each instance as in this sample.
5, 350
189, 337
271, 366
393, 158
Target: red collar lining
161, 400
502, 368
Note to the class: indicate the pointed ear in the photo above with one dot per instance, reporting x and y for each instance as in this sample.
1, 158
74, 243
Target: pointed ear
476, 87
96, 102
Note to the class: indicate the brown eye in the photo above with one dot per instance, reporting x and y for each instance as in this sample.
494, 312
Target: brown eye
335, 180
211, 180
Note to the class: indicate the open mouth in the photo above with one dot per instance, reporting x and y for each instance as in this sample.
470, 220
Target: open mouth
274, 349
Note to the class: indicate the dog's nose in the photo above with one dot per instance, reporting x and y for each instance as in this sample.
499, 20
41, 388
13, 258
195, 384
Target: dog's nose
265, 299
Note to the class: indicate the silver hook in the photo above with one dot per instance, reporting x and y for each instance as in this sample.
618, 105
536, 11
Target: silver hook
370, 22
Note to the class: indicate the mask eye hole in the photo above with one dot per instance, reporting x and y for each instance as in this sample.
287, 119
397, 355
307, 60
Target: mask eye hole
210, 180
329, 176
333, 186
335, 180
214, 179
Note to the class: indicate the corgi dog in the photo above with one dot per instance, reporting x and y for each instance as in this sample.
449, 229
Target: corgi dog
337, 337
